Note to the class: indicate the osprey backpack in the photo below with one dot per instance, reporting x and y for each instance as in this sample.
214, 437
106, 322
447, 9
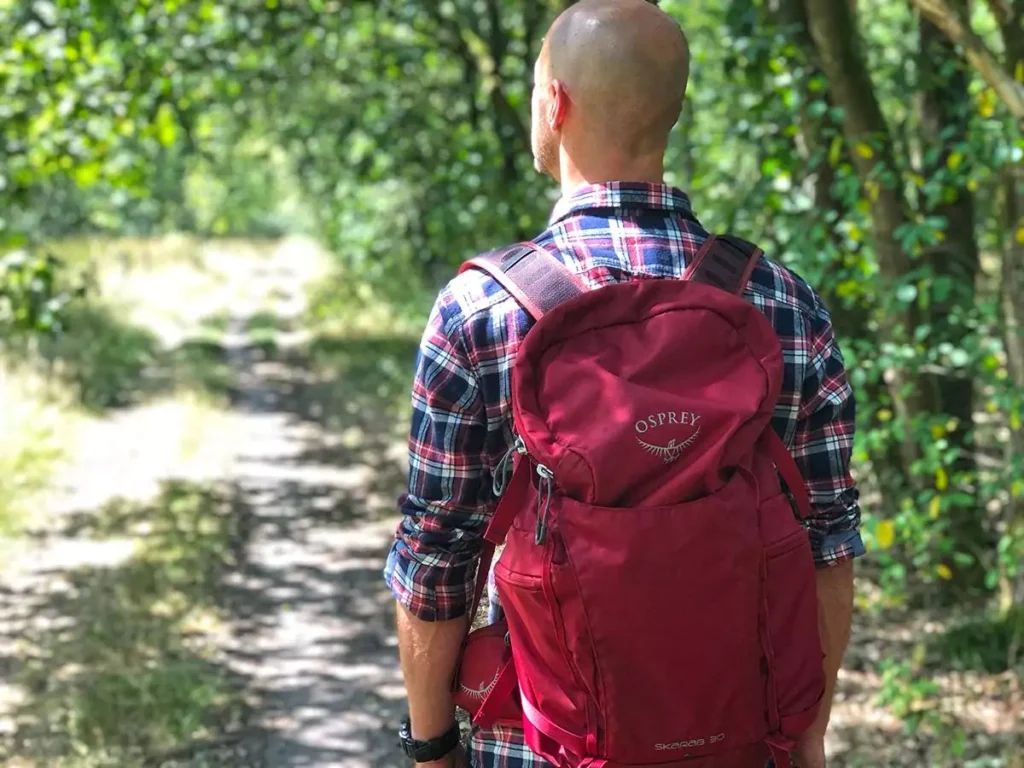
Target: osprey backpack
658, 588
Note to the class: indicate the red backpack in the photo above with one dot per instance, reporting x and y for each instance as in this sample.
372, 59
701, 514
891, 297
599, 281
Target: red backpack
659, 591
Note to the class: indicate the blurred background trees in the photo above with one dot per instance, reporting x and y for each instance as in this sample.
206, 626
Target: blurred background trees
873, 145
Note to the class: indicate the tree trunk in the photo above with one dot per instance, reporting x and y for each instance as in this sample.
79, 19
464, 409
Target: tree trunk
1012, 287
944, 109
849, 322
837, 43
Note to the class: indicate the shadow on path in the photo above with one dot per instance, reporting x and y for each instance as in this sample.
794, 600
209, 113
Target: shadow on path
323, 460
111, 642
242, 622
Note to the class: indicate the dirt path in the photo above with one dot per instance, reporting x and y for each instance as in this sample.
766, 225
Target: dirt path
314, 632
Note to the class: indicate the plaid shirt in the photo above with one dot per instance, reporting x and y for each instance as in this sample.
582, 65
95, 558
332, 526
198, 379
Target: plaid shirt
462, 408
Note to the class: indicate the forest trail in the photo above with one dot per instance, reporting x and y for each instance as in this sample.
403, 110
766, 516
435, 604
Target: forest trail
279, 633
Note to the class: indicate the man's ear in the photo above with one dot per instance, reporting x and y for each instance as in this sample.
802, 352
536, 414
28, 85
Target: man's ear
558, 104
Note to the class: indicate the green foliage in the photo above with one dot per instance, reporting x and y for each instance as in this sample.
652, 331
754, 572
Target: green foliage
912, 697
31, 300
378, 368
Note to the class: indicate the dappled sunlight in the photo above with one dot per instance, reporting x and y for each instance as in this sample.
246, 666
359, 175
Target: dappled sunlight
205, 584
117, 654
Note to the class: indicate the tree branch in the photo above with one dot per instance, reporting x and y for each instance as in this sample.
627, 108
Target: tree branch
1010, 92
505, 115
1002, 10
497, 39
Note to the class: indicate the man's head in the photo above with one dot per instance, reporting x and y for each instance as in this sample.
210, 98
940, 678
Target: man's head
608, 87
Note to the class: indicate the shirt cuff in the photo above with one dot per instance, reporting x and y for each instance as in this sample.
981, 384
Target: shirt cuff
429, 592
835, 548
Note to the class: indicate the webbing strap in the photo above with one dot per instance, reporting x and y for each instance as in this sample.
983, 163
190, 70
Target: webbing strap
790, 472
537, 280
537, 720
780, 757
508, 506
540, 282
491, 706
494, 536
725, 262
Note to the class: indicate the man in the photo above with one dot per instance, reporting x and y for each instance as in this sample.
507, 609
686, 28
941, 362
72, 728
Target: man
609, 85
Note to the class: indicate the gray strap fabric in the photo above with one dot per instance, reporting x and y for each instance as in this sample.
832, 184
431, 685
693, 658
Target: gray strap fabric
538, 280
725, 262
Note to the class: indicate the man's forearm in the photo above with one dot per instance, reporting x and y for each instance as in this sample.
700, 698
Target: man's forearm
429, 651
835, 608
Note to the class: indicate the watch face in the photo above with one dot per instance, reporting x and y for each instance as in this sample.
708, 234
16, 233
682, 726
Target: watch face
409, 746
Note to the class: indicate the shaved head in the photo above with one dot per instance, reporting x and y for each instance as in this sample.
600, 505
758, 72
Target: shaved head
612, 73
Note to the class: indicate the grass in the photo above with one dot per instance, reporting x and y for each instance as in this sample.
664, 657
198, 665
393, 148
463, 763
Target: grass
30, 450
131, 670
263, 328
343, 303
378, 370
101, 358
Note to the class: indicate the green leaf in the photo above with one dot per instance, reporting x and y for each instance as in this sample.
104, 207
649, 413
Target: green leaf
166, 126
88, 174
835, 151
959, 358
906, 293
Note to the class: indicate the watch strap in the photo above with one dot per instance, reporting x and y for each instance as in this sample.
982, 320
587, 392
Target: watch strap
424, 751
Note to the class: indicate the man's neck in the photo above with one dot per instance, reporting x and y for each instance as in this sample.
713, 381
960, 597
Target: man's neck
574, 175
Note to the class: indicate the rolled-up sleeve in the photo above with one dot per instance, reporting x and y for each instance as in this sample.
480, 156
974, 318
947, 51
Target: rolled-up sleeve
431, 566
823, 445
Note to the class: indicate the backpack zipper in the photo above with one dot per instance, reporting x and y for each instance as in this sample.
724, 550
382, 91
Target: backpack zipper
544, 489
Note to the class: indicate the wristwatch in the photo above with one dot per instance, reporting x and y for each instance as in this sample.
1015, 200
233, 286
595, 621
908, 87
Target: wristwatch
431, 749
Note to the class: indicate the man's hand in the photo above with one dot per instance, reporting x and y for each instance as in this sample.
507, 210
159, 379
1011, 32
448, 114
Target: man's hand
455, 759
810, 753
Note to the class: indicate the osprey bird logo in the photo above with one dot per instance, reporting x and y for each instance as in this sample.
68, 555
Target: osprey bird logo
672, 451
482, 691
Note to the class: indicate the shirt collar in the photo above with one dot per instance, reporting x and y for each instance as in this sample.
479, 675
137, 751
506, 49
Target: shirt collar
622, 194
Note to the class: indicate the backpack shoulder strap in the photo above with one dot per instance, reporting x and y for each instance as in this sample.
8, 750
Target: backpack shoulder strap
536, 279
540, 282
725, 262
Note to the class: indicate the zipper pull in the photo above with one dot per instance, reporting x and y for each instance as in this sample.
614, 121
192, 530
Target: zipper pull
544, 491
504, 468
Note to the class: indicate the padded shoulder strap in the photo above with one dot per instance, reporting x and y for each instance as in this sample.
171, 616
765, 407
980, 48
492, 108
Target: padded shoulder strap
537, 280
725, 262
